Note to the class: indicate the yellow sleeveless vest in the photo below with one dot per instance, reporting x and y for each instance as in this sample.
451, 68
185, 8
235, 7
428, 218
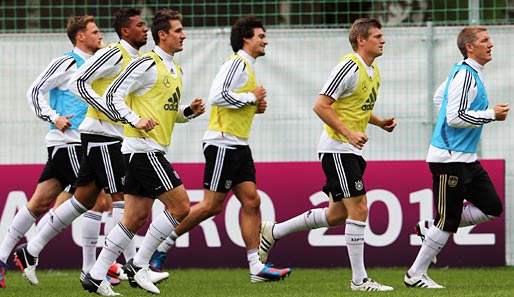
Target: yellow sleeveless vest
100, 85
161, 103
355, 110
235, 121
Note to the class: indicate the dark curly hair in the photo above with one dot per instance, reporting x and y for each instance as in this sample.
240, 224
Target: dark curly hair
244, 28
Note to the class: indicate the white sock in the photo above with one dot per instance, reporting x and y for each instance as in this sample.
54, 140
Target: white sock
311, 219
44, 219
354, 236
20, 225
159, 230
118, 210
109, 223
253, 261
115, 242
471, 215
62, 218
435, 239
91, 222
428, 224
168, 243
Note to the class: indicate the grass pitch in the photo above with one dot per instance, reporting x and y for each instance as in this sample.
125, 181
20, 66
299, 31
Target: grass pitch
302, 282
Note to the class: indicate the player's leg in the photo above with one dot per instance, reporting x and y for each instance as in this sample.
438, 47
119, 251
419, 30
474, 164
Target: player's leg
63, 164
177, 206
216, 175
246, 193
450, 182
315, 218
44, 195
239, 168
485, 202
116, 269
138, 207
91, 223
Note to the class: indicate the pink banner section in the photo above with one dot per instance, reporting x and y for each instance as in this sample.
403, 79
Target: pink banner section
399, 195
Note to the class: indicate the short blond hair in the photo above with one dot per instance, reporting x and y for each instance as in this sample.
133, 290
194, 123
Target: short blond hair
77, 24
361, 28
468, 35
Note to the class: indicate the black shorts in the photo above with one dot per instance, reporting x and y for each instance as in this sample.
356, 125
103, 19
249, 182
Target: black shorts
63, 164
344, 175
149, 174
102, 162
226, 167
455, 182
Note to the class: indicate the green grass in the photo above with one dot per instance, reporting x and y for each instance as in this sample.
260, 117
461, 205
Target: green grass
302, 282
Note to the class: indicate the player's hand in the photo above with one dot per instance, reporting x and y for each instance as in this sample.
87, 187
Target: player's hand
146, 124
388, 124
501, 111
259, 93
260, 99
62, 123
261, 105
197, 106
357, 139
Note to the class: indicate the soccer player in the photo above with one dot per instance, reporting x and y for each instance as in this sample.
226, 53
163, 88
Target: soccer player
64, 112
457, 175
345, 104
101, 136
152, 86
235, 97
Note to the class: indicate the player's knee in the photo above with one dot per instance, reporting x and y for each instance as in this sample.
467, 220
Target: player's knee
181, 211
252, 203
359, 213
39, 206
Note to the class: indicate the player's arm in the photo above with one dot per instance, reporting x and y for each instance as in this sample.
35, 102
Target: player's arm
104, 64
230, 75
140, 74
461, 93
322, 108
387, 124
51, 77
439, 96
342, 80
191, 111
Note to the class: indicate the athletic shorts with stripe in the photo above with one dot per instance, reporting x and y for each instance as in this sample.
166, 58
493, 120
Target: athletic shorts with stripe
149, 174
344, 175
102, 162
454, 182
63, 164
227, 166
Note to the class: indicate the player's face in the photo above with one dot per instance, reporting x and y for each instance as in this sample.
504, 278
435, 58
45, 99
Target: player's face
137, 32
173, 40
481, 49
92, 37
374, 44
257, 43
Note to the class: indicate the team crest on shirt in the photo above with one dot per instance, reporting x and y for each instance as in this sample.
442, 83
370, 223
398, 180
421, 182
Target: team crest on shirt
364, 87
228, 184
166, 81
359, 185
453, 181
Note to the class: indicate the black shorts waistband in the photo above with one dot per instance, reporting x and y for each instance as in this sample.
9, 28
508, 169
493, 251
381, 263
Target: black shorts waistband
85, 137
